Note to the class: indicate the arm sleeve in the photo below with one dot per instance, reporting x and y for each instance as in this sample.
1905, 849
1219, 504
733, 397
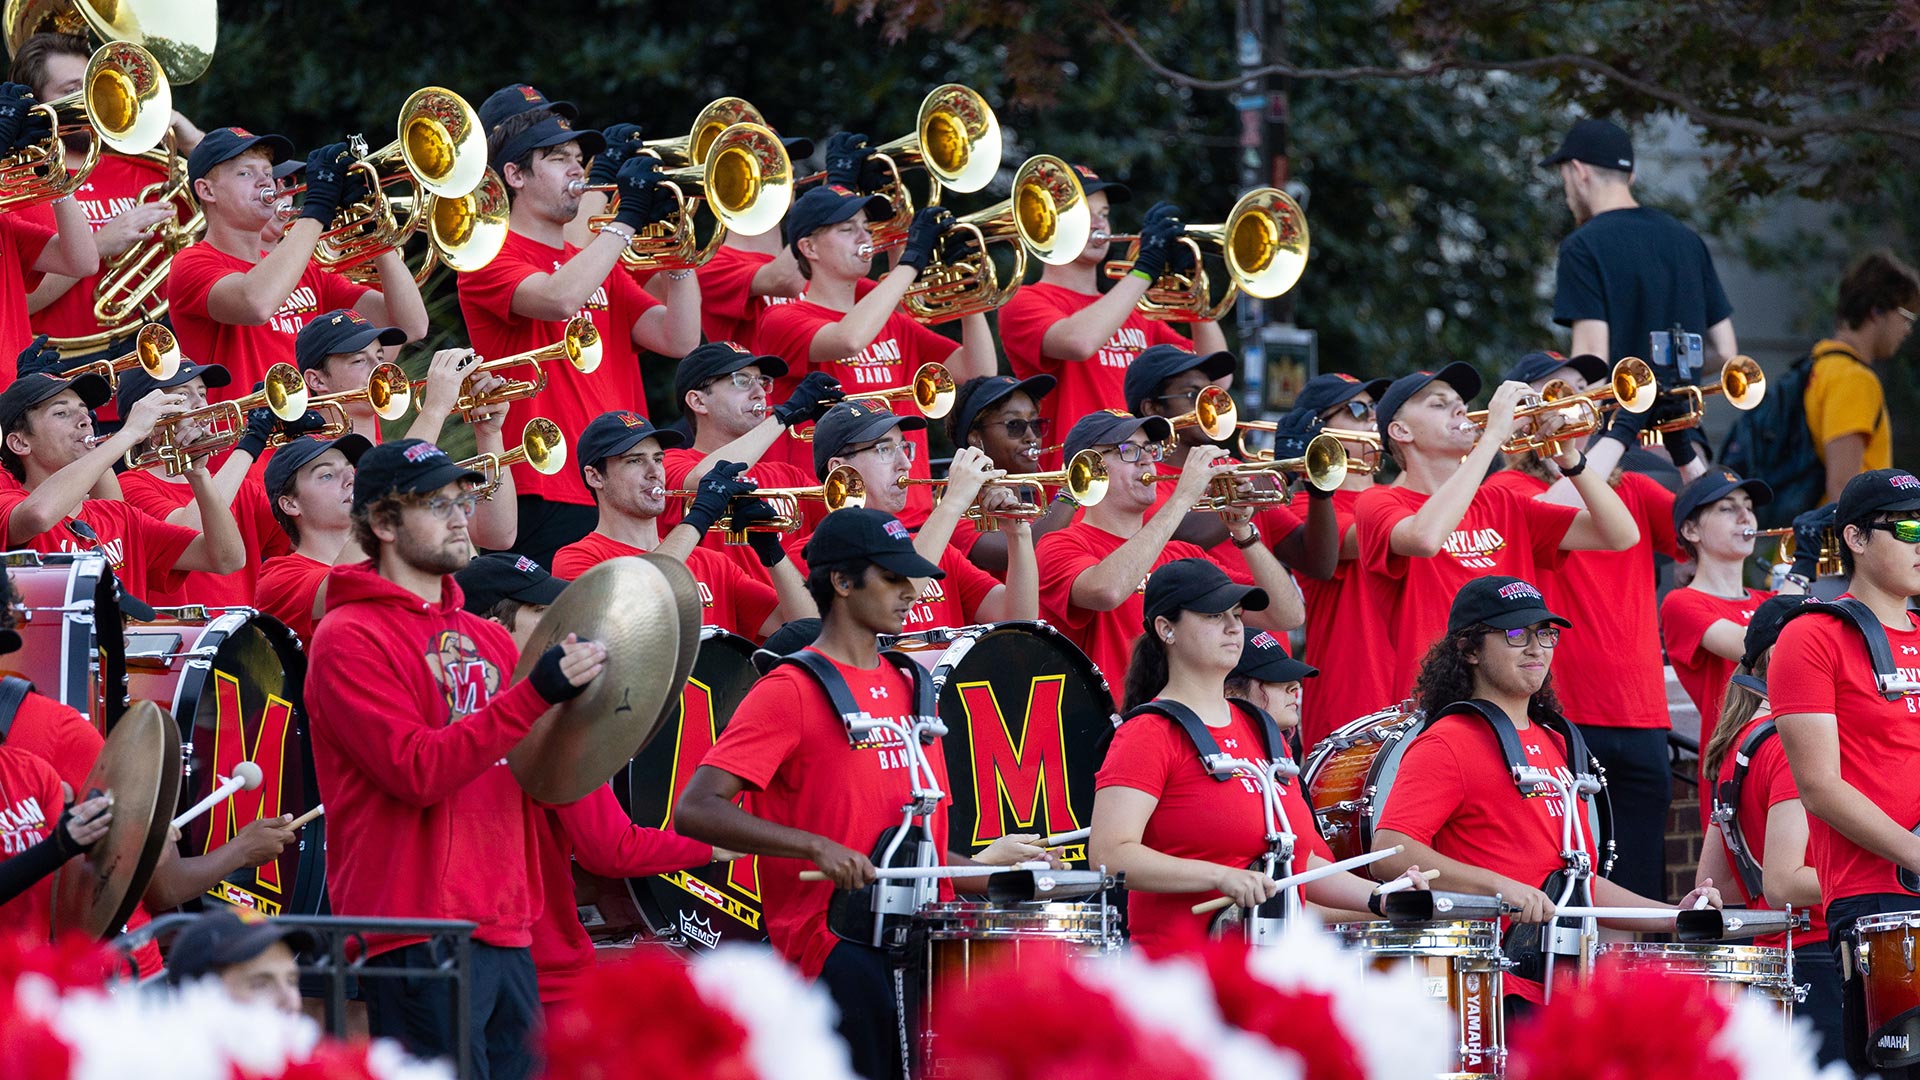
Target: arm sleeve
486, 294
967, 582
191, 277
1276, 523
1547, 525
763, 731
1061, 563
1578, 290
787, 332
1428, 789
1140, 757
1655, 506
1684, 620
1023, 325
30, 238
1772, 775
726, 283
923, 344
336, 291
26, 869
1375, 513
753, 600
163, 542
572, 561
607, 843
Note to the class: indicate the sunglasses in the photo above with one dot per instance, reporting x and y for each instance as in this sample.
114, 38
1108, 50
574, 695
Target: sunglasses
1907, 531
1355, 408
1018, 428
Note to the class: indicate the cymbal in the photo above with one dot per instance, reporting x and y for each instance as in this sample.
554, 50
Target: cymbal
140, 767
644, 608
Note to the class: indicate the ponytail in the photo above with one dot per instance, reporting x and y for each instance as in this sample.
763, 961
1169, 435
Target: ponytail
1146, 672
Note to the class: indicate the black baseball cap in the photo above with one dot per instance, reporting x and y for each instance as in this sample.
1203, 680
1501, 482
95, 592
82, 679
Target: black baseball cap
1768, 620
516, 99
875, 535
1459, 375
1882, 491
1264, 657
1504, 603
406, 467
1111, 427
289, 167
830, 204
1091, 182
997, 388
1158, 363
1538, 365
504, 575
851, 422
1323, 392
1596, 142
341, 330
287, 461
1712, 486
551, 131
29, 390
717, 358
617, 432
225, 144
227, 936
1196, 585
798, 147
790, 638
135, 383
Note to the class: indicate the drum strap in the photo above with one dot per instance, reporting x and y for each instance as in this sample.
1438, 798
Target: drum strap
830, 680
1202, 736
13, 691
1879, 649
1509, 736
1726, 809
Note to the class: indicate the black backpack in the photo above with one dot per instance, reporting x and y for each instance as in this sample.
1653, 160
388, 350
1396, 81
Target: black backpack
1772, 442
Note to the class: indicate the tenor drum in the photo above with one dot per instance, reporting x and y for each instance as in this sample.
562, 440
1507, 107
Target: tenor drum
232, 679
62, 598
1885, 951
1732, 971
1456, 962
1347, 776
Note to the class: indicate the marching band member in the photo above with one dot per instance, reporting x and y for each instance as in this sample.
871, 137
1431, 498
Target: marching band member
1438, 526
1267, 677
46, 428
872, 440
1176, 830
285, 175
1000, 416
310, 483
866, 342
30, 244
821, 796
232, 301
622, 458
412, 721
749, 274
522, 299
1093, 572
1856, 777
1455, 805
1064, 326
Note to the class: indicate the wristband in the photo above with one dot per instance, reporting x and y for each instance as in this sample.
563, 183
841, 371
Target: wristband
1571, 471
624, 232
1142, 275
1253, 537
1801, 580
1373, 902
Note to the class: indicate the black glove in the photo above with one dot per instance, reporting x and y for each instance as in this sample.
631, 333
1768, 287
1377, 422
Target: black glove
623, 141
547, 679
641, 201
63, 835
326, 176
718, 488
928, 223
764, 544
1157, 235
263, 425
38, 357
16, 115
1683, 445
810, 400
1625, 427
851, 164
1809, 536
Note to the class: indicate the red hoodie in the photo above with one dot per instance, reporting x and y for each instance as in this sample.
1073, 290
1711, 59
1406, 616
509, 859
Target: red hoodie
424, 819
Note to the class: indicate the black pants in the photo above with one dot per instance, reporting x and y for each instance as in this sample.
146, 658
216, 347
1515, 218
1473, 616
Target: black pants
1815, 968
860, 981
1639, 790
1841, 915
503, 1008
546, 527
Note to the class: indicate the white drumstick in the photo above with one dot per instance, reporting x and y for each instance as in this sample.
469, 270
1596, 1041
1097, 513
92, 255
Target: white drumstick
1307, 877
909, 873
245, 775
1700, 904
1577, 912
1065, 838
1403, 882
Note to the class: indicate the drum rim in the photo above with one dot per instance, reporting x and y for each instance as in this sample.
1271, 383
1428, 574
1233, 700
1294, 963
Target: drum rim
1886, 920
1453, 937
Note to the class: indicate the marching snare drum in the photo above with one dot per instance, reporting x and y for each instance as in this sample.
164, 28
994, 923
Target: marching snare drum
1885, 953
1732, 971
1457, 962
62, 599
1348, 773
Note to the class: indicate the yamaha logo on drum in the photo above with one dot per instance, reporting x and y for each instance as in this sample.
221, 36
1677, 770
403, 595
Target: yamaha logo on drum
1892, 1042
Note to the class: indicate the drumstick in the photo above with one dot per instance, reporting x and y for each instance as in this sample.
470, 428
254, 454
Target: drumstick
1064, 838
308, 816
1307, 877
245, 775
1402, 882
1577, 912
908, 873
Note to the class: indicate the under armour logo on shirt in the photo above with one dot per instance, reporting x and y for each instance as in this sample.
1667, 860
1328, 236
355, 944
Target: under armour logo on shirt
1231, 744
1910, 650
878, 692
1534, 750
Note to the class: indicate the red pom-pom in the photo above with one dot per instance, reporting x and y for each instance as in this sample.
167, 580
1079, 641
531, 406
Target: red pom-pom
1624, 1024
645, 1014
29, 1049
75, 962
1302, 1021
333, 1060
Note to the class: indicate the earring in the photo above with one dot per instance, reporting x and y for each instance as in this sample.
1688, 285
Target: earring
1169, 639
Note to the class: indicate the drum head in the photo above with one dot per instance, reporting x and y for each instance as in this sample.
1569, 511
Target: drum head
138, 766
713, 903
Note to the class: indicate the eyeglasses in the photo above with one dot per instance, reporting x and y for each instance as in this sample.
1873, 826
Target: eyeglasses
1547, 636
1907, 531
1357, 409
899, 448
743, 380
444, 507
1018, 428
1184, 399
1132, 452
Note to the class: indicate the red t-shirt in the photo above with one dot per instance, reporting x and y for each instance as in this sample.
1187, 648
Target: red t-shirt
1685, 617
1609, 598
1275, 523
245, 351
1768, 783
139, 547
1105, 636
787, 331
1454, 794
571, 399
22, 239
1501, 533
1088, 384
1352, 682
953, 600
285, 590
1820, 665
728, 309
790, 746
111, 189
262, 535
30, 805
729, 598
1197, 817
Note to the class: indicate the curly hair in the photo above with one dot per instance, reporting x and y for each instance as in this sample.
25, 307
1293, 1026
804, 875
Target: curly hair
1447, 677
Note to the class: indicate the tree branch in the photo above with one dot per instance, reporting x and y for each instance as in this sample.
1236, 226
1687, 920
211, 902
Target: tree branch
1557, 62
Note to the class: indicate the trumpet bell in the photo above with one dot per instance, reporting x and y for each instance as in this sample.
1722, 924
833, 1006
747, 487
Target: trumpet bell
159, 352
934, 390
1213, 413
467, 231
1743, 382
1326, 462
544, 445
286, 391
1634, 386
1086, 478
582, 344
442, 142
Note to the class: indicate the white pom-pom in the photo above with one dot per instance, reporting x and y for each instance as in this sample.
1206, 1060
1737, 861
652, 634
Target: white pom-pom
1419, 1031
789, 1022
1175, 999
1759, 1041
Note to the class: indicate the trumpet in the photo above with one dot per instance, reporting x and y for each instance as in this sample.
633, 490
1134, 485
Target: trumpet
1046, 217
956, 139
932, 391
1084, 480
1829, 563
1264, 243
1742, 382
841, 489
1324, 465
1370, 463
1631, 387
386, 384
741, 171
125, 104
580, 346
1213, 413
221, 423
154, 351
542, 446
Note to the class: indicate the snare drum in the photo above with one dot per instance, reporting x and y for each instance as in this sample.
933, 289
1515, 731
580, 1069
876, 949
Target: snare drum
232, 679
1885, 953
1731, 971
62, 598
1457, 962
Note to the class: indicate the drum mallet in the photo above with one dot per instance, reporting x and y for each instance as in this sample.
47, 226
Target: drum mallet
308, 816
245, 775
1308, 876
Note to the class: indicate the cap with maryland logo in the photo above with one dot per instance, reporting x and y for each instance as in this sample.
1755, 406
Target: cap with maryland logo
830, 204
1504, 603
874, 535
516, 99
1881, 491
717, 358
1712, 486
504, 575
224, 144
548, 131
406, 467
1111, 427
1323, 392
1091, 182
1263, 658
614, 433
342, 330
851, 423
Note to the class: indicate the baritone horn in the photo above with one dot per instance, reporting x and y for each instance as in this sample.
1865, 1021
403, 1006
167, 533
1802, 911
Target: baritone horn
956, 139
124, 104
1742, 382
1324, 465
1829, 563
542, 446
740, 172
841, 489
220, 424
180, 34
154, 351
1264, 243
1046, 217
1084, 481
931, 390
580, 346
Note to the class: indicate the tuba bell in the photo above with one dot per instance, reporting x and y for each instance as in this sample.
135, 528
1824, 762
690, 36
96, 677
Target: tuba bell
1046, 217
124, 104
956, 139
180, 34
1264, 243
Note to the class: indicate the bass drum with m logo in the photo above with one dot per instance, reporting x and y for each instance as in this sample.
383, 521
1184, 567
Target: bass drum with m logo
232, 678
1026, 712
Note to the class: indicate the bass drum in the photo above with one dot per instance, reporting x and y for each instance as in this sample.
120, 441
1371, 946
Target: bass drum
62, 598
232, 679
711, 904
1026, 713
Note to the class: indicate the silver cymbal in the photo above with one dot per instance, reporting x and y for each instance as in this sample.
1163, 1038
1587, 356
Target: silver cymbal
140, 767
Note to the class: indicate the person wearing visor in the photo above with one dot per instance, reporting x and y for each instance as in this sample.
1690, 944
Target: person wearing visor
251, 957
1179, 833
999, 416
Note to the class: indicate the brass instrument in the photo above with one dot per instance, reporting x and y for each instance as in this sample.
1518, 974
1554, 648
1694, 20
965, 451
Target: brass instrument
386, 384
842, 488
124, 104
932, 391
741, 172
956, 139
154, 351
1324, 465
1364, 465
1829, 563
1213, 412
1631, 387
580, 346
221, 423
1046, 217
1742, 382
1084, 480
179, 33
130, 283
542, 446
1264, 243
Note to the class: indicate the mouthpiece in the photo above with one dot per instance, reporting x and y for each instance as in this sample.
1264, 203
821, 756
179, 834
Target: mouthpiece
1748, 534
577, 188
